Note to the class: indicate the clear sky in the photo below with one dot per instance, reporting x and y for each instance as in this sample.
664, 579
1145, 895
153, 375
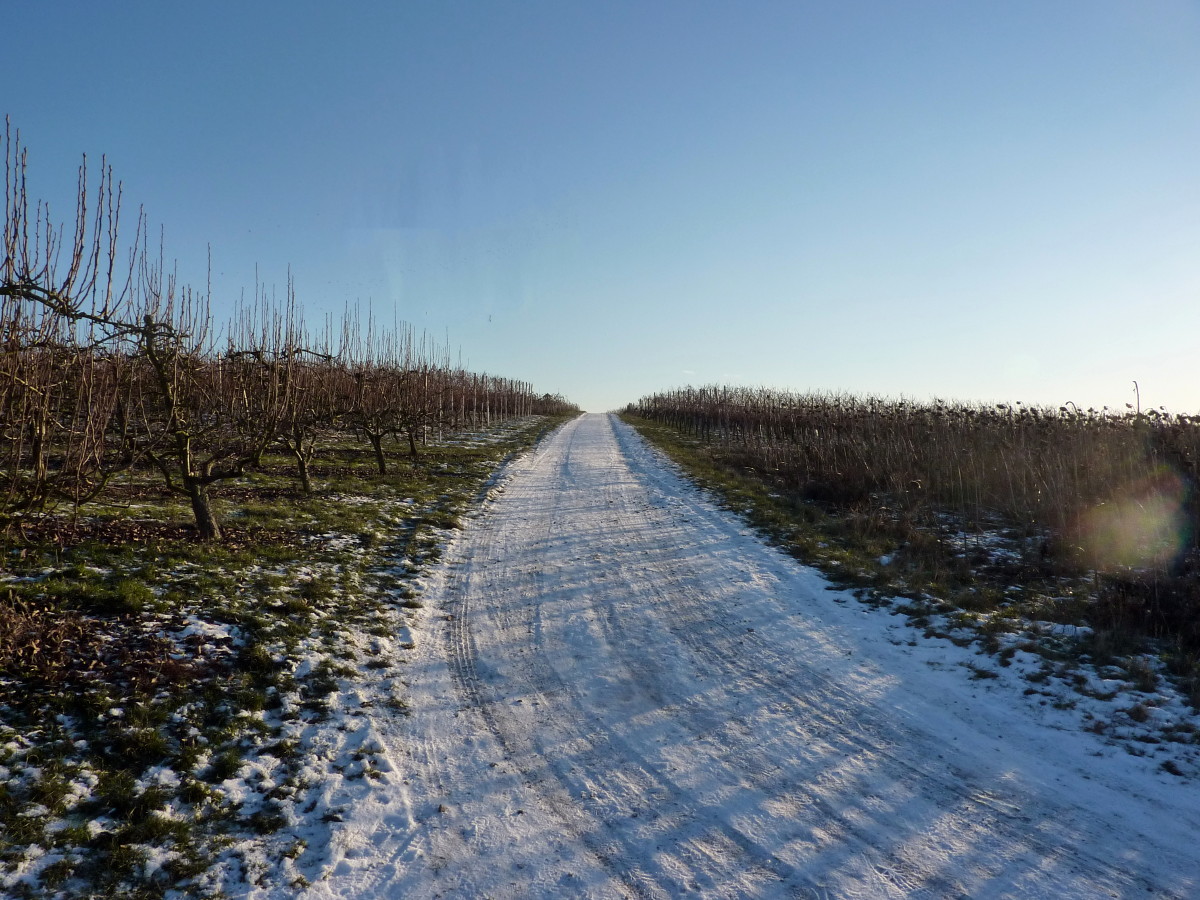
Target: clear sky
969, 200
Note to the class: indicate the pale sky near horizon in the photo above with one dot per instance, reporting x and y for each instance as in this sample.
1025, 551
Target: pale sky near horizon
968, 200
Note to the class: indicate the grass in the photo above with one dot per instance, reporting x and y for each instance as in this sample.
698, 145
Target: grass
129, 650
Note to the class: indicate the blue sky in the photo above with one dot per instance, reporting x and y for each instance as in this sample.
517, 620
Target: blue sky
969, 200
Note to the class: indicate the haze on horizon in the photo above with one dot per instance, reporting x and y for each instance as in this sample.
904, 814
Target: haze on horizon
968, 201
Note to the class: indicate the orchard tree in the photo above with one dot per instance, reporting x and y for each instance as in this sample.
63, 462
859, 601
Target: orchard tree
63, 296
206, 416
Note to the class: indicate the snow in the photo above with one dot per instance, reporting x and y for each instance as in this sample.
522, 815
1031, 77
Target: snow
197, 627
617, 690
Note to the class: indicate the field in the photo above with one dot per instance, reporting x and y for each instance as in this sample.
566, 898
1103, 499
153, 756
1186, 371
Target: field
161, 697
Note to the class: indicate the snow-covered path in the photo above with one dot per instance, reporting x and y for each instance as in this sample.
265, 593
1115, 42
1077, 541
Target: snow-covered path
621, 692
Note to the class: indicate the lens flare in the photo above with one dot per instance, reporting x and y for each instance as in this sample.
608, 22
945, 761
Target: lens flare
1142, 526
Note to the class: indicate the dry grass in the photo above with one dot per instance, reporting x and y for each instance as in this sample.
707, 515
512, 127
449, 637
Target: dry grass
1110, 495
43, 644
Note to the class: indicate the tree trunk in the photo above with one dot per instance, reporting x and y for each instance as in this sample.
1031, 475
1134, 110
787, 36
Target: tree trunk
377, 445
302, 454
41, 469
302, 469
206, 519
412, 442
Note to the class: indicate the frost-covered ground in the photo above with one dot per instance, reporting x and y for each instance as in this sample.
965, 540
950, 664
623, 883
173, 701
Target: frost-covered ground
614, 689
201, 725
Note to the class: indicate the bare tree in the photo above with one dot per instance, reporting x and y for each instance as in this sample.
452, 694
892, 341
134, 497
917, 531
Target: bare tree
205, 416
320, 394
62, 372
386, 368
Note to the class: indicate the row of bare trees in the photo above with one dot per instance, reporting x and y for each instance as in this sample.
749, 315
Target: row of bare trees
107, 363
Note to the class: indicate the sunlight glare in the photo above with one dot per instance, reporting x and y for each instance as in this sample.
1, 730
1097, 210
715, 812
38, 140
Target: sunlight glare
1143, 525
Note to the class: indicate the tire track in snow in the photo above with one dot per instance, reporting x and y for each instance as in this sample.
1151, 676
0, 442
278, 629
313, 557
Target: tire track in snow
775, 684
463, 655
570, 813
579, 808
573, 794
640, 778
